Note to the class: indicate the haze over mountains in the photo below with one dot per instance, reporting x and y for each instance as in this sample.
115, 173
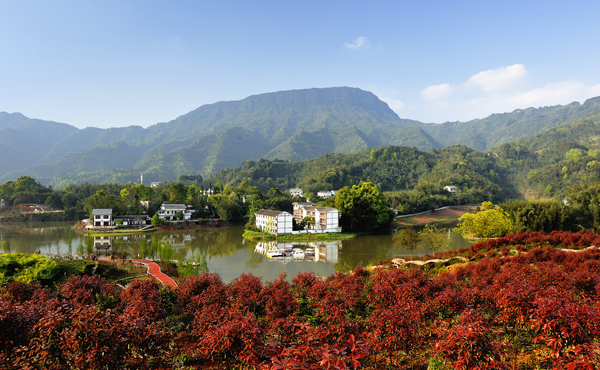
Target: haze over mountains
294, 125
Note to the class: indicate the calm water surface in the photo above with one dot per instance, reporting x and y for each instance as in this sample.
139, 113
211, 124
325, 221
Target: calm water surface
226, 252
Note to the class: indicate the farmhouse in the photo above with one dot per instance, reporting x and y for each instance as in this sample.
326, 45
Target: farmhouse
451, 189
102, 217
296, 192
326, 193
274, 222
169, 211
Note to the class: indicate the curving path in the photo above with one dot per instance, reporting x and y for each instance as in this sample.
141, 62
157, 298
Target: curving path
154, 270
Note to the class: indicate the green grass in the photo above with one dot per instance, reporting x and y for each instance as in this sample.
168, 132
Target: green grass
119, 232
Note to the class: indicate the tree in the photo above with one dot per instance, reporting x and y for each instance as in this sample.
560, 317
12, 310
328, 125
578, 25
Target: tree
407, 239
118, 222
157, 221
485, 224
179, 215
363, 208
433, 238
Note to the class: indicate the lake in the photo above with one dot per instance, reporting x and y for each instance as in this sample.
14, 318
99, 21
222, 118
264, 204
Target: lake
226, 252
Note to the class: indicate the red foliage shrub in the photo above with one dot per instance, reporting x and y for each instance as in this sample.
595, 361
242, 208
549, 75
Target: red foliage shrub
470, 345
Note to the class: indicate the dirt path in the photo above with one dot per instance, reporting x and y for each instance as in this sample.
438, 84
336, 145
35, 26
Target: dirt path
154, 270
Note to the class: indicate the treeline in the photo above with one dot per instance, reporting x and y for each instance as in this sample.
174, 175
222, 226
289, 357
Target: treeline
579, 210
535, 308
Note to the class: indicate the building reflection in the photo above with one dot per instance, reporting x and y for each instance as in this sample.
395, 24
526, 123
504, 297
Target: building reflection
327, 252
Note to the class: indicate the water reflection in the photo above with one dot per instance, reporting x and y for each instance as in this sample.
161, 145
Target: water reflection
228, 254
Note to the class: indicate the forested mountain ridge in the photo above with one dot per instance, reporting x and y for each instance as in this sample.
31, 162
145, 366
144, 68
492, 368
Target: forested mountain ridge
497, 129
293, 125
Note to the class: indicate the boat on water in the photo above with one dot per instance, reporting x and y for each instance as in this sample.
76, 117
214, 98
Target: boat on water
298, 254
274, 252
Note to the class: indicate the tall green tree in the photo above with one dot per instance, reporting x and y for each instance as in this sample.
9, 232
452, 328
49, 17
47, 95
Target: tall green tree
362, 208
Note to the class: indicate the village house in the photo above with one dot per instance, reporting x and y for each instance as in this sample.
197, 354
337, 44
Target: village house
102, 217
274, 222
326, 193
327, 219
168, 211
132, 220
451, 189
154, 184
296, 192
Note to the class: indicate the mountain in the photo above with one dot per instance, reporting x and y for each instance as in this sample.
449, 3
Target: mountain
297, 124
492, 131
290, 125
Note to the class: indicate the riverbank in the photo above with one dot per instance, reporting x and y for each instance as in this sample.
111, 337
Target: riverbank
256, 236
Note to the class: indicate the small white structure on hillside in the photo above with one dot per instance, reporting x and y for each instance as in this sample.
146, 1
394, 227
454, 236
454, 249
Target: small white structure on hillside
296, 192
326, 193
450, 188
102, 217
154, 184
2, 205
168, 211
274, 222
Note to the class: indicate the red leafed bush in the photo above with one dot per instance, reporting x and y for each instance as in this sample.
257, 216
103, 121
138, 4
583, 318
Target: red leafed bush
308, 352
244, 292
567, 331
84, 289
196, 291
228, 335
471, 345
142, 300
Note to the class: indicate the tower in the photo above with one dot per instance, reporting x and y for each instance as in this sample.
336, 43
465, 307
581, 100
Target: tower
142, 179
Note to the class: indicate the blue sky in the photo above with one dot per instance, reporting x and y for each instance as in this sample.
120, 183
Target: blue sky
119, 63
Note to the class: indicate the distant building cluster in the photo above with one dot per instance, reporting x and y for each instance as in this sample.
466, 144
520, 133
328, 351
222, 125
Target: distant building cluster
324, 219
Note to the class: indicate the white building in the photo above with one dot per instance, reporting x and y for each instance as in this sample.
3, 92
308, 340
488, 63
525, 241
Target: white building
274, 222
102, 217
296, 192
326, 193
154, 184
450, 188
168, 211
327, 219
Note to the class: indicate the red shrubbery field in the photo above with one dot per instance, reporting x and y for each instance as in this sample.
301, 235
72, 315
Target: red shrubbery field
539, 308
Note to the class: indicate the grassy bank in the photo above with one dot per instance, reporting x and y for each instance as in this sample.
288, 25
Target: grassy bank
119, 232
258, 236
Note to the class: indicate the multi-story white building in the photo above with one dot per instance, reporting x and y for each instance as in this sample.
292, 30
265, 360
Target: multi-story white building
274, 222
168, 211
102, 217
327, 219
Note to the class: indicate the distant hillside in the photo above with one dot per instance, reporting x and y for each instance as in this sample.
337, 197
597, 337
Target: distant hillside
290, 125
487, 133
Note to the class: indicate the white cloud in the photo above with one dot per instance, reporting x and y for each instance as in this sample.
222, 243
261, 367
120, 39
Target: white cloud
497, 91
360, 42
436, 92
497, 79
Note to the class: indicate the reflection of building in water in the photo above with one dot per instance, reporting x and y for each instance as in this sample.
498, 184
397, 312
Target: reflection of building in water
324, 251
101, 240
178, 241
327, 251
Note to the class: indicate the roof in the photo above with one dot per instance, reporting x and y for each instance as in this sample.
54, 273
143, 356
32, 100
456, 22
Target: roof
269, 212
174, 206
102, 211
321, 209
